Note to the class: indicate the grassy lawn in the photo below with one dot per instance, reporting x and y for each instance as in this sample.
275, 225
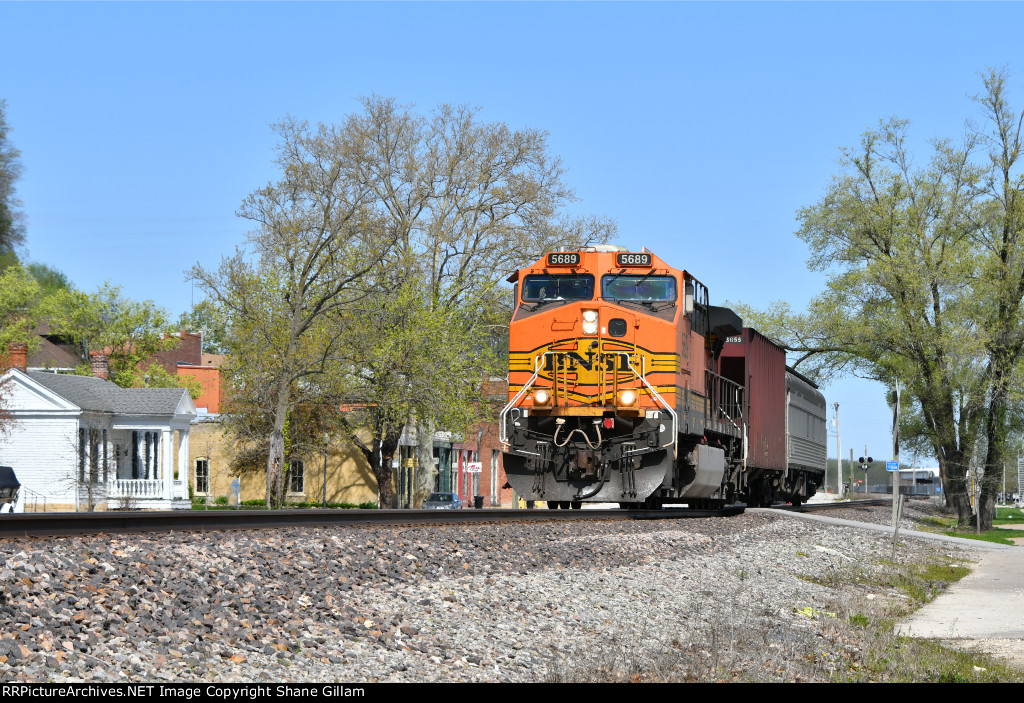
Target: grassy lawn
1005, 516
885, 656
1008, 516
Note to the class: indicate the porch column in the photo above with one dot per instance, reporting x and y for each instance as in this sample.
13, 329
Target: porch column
139, 466
183, 464
166, 461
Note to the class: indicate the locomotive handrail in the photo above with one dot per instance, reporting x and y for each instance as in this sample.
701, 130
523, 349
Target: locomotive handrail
657, 397
718, 387
502, 425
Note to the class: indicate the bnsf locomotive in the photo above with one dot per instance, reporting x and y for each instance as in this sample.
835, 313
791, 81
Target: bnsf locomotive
626, 386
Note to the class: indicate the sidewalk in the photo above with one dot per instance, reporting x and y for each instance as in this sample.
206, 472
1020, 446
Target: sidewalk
985, 609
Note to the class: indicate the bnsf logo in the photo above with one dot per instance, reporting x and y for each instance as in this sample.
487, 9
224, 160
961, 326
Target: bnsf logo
611, 362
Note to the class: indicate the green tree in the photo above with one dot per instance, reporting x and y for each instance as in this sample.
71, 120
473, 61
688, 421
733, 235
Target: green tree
19, 315
405, 361
50, 279
470, 202
1000, 241
389, 206
19, 308
315, 239
127, 331
926, 274
12, 228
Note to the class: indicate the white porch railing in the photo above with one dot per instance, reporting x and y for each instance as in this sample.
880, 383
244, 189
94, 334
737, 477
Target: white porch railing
136, 488
179, 489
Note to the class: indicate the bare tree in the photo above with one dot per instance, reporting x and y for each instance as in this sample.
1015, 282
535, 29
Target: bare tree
469, 202
316, 237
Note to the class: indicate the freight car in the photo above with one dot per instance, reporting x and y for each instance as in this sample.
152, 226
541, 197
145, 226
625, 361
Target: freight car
627, 386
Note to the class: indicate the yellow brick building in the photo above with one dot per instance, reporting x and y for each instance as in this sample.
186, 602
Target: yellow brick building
349, 478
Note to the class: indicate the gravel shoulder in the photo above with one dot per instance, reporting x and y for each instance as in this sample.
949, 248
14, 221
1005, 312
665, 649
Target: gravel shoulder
743, 598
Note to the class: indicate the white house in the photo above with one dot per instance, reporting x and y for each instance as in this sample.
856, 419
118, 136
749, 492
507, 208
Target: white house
81, 443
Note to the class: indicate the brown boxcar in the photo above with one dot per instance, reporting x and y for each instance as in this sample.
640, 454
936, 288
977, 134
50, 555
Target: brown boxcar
759, 365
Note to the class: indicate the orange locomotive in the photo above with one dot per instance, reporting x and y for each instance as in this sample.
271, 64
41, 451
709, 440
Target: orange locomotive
612, 393
613, 390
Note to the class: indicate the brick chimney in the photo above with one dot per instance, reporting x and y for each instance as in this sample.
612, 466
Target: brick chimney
99, 365
18, 355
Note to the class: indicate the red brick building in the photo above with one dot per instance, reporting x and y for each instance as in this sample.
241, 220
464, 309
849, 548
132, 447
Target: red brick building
481, 445
189, 350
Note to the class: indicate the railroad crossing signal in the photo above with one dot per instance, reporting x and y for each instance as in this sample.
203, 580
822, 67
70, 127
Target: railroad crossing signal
865, 462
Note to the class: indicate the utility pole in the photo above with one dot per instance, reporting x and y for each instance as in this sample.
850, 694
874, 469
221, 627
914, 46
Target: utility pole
895, 458
839, 458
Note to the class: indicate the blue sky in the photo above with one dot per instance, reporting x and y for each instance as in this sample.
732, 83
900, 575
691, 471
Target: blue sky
700, 128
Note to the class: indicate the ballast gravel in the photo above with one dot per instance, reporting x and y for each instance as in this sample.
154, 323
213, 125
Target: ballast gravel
752, 597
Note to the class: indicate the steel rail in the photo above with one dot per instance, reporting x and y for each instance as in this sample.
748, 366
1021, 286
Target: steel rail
122, 522
835, 505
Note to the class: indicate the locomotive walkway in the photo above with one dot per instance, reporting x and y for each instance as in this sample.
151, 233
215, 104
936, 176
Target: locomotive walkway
983, 610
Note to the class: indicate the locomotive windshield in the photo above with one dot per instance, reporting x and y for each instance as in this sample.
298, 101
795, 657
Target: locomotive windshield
639, 287
558, 286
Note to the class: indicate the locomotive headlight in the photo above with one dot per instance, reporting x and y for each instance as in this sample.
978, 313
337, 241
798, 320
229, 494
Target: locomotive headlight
590, 322
541, 397
627, 397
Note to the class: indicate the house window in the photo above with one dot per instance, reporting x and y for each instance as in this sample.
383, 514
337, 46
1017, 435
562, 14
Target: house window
202, 475
296, 477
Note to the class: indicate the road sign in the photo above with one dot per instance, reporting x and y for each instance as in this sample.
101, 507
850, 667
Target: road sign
892, 466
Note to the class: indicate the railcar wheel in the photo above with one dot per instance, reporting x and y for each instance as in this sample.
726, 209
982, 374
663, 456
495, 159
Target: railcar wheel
576, 504
554, 505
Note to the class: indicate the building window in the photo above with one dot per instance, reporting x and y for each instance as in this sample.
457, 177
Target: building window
202, 475
296, 476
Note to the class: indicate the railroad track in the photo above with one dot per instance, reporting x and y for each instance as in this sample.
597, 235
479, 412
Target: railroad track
124, 522
836, 505
121, 522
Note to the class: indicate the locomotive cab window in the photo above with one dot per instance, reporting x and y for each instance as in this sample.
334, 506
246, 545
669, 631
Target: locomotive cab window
639, 287
549, 287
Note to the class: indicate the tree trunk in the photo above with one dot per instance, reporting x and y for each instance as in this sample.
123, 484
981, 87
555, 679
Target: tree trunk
956, 488
275, 460
275, 456
996, 427
426, 472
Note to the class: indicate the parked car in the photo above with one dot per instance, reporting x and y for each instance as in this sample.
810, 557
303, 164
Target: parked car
442, 501
9, 489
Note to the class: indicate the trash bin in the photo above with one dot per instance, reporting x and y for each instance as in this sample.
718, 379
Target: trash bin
478, 502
